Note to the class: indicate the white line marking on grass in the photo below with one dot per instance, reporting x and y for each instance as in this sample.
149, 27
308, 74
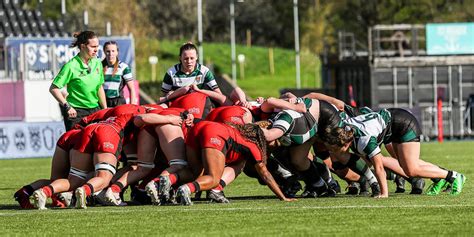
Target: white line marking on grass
188, 209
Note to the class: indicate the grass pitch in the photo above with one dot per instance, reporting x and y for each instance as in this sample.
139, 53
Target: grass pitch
254, 211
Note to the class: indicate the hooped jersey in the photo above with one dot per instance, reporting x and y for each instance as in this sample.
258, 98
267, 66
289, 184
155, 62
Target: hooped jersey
370, 130
175, 78
297, 127
115, 81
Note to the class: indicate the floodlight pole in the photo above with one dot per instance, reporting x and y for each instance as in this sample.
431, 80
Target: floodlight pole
297, 43
199, 15
232, 41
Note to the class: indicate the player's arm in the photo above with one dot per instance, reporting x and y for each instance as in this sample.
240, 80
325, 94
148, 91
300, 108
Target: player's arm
272, 103
338, 103
272, 134
154, 119
270, 181
380, 174
101, 95
215, 96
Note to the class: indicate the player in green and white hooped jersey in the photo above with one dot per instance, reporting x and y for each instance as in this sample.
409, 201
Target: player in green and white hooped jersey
179, 78
364, 134
297, 130
117, 74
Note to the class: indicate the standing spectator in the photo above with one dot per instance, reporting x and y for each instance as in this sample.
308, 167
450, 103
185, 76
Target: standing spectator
186, 73
83, 78
116, 74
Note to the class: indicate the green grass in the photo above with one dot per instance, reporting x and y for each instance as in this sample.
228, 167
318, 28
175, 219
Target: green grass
258, 80
401, 214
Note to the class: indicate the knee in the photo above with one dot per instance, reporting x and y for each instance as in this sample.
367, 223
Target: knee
411, 171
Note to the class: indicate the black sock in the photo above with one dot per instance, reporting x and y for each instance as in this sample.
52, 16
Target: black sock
222, 183
435, 180
311, 177
450, 178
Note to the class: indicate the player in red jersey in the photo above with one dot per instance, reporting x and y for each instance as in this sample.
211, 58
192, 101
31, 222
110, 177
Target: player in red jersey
59, 169
155, 121
170, 140
210, 146
102, 140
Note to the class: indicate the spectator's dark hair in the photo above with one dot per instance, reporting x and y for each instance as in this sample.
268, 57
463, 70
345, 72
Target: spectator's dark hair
82, 37
187, 46
105, 63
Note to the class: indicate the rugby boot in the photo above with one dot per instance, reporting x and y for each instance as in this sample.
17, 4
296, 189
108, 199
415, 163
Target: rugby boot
417, 185
39, 198
183, 195
164, 190
458, 184
400, 183
81, 198
353, 188
152, 191
22, 197
364, 188
217, 196
375, 189
436, 187
113, 198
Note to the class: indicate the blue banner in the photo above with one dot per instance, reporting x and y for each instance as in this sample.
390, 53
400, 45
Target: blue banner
450, 38
43, 57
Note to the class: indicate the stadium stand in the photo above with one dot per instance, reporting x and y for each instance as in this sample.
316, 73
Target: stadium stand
20, 22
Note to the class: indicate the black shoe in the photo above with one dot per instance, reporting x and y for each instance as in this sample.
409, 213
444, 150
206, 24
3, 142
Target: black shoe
312, 192
334, 185
139, 197
417, 186
353, 188
291, 187
198, 195
364, 188
400, 182
375, 189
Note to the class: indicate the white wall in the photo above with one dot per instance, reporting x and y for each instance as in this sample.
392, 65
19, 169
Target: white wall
40, 105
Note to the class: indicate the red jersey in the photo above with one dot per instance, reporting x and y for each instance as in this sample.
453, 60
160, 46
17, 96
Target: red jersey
228, 140
195, 103
227, 114
168, 111
68, 139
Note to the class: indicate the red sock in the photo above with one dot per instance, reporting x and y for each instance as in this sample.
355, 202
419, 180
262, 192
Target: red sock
157, 179
219, 188
115, 188
48, 191
173, 178
87, 189
194, 187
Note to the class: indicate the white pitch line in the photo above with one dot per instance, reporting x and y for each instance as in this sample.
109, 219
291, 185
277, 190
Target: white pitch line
187, 209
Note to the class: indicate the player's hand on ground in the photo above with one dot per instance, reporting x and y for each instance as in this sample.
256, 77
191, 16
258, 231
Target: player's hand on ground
289, 199
381, 196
